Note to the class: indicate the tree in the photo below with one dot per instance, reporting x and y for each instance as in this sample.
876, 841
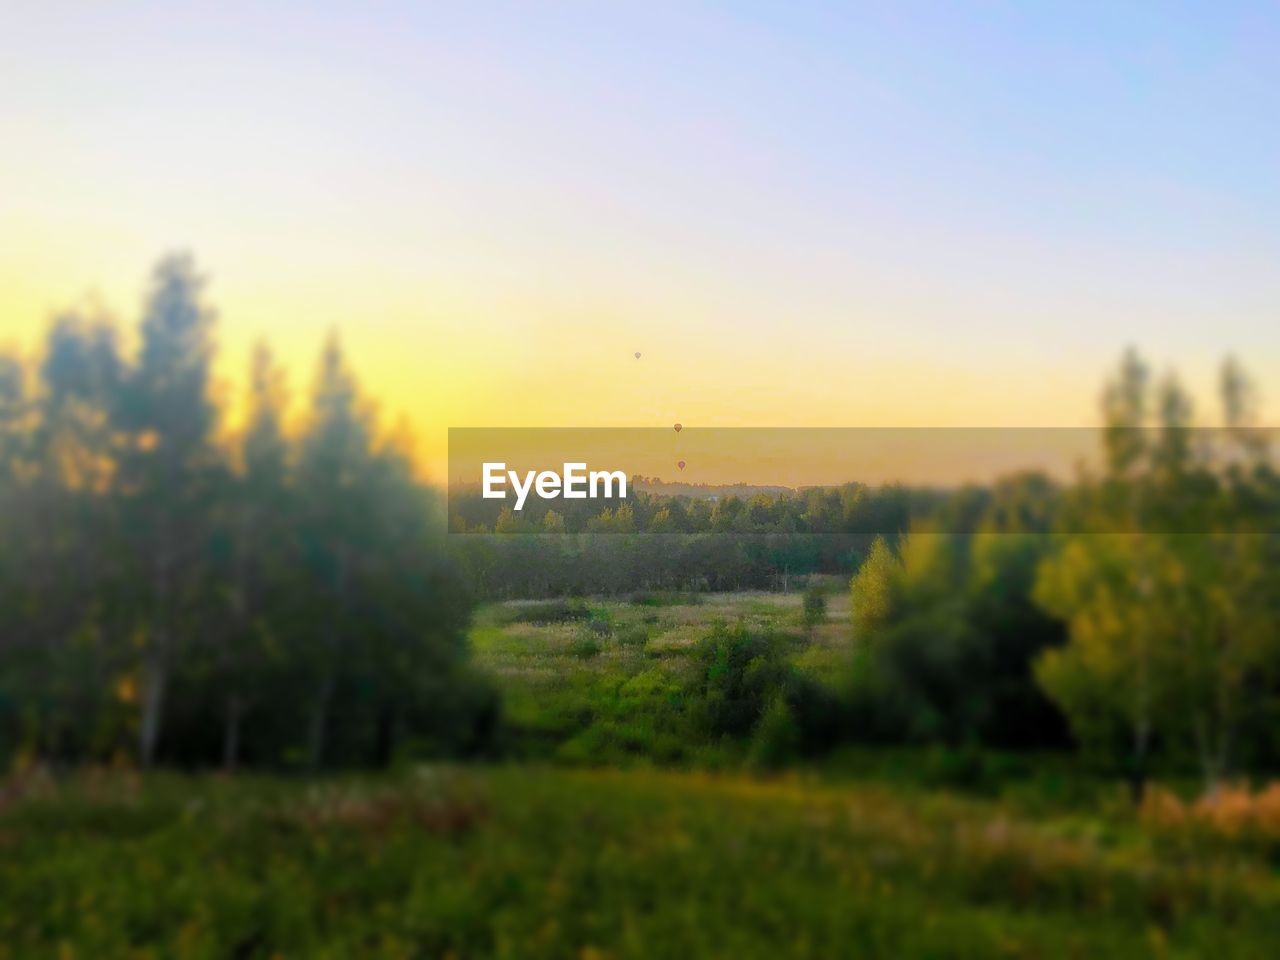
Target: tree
68, 535
333, 476
1105, 675
168, 470
261, 542
14, 428
251, 600
872, 589
815, 606
1169, 610
946, 628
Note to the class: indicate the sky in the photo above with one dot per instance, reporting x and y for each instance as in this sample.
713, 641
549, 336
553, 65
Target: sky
800, 215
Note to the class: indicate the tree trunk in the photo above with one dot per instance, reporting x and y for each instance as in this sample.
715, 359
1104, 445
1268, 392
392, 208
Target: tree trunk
333, 639
231, 733
320, 720
155, 681
1138, 770
156, 668
1141, 734
385, 744
1142, 704
237, 640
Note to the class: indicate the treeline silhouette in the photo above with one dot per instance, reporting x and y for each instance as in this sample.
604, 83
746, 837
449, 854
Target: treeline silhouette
853, 508
650, 541
572, 565
180, 591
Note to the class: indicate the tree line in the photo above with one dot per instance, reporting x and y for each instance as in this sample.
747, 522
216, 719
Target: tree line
179, 587
175, 588
654, 541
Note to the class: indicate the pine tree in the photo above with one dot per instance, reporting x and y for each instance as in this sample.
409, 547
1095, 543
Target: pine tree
261, 542
169, 469
333, 474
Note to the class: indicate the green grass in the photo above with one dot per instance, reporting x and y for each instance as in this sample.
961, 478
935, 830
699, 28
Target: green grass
622, 835
531, 862
606, 687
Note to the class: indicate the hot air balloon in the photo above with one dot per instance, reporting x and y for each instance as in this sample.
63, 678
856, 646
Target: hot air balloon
680, 464
679, 428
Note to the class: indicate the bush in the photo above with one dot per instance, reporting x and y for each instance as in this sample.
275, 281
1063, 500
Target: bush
777, 738
742, 677
552, 611
665, 598
738, 673
585, 646
633, 637
815, 605
1232, 815
818, 711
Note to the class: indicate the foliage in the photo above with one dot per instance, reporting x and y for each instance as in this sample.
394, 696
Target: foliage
872, 588
636, 636
1173, 615
815, 605
522, 862
665, 598
180, 591
586, 646
1233, 815
739, 671
946, 632
552, 611
776, 740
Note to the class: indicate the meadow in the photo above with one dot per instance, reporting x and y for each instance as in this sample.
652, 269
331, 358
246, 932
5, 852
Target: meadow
520, 861
605, 680
611, 832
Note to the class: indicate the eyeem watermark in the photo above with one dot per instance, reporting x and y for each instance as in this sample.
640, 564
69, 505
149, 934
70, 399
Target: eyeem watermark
574, 483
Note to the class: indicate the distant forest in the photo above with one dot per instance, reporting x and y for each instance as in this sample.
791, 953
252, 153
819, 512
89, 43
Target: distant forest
653, 541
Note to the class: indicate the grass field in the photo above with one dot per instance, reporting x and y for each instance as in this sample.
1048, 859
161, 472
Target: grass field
533, 862
612, 834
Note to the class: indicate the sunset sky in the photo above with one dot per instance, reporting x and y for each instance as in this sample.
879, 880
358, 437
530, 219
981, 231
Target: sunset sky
900, 213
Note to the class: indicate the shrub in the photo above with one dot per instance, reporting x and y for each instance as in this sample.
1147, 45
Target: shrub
633, 637
777, 739
817, 710
738, 672
815, 605
585, 646
552, 611
1232, 814
665, 598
